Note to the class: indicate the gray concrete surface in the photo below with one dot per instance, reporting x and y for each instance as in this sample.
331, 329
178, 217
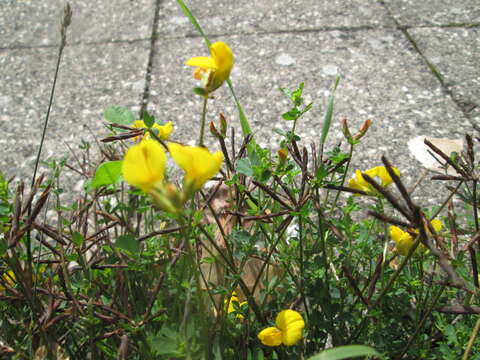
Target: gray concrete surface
413, 67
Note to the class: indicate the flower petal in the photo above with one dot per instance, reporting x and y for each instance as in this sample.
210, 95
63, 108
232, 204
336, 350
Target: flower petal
270, 336
197, 162
203, 62
291, 325
223, 57
164, 131
437, 224
403, 240
144, 164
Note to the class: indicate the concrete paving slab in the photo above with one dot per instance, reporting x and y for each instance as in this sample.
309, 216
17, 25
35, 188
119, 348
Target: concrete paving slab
91, 78
434, 12
455, 53
34, 23
383, 79
247, 16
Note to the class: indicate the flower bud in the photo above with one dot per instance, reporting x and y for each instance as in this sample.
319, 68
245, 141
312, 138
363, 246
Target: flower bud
363, 130
282, 156
223, 125
213, 130
346, 130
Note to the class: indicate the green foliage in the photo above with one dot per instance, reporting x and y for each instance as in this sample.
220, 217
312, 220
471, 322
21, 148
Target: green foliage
108, 173
119, 115
128, 243
346, 352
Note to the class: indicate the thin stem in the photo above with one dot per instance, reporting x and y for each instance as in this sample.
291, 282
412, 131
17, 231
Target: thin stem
344, 176
473, 336
475, 209
202, 124
446, 201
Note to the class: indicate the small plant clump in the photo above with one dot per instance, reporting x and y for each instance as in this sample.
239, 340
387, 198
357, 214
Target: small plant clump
281, 256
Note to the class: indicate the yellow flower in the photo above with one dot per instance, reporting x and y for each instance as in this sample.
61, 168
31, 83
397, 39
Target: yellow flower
164, 131
234, 305
197, 162
289, 330
379, 172
9, 278
214, 70
144, 165
404, 241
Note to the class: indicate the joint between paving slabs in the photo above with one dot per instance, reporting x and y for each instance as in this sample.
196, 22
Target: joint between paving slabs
148, 75
465, 106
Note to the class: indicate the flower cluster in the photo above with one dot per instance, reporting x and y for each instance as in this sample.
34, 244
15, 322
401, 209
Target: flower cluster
379, 172
9, 278
233, 305
144, 167
404, 241
162, 131
288, 330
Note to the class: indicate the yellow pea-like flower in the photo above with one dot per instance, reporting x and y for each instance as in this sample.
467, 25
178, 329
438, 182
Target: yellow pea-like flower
197, 162
144, 165
379, 172
404, 241
288, 330
164, 131
213, 70
234, 305
271, 336
9, 278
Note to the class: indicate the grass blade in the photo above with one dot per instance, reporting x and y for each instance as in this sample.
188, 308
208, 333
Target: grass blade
327, 121
194, 21
346, 352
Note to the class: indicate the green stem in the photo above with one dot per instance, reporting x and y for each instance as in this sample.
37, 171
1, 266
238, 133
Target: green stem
344, 176
246, 130
473, 336
294, 126
202, 124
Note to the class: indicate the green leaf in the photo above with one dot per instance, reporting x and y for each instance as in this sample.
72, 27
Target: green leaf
107, 173
297, 95
322, 172
346, 352
327, 121
148, 119
77, 238
291, 115
244, 167
286, 92
128, 242
200, 91
246, 130
3, 246
119, 115
280, 132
